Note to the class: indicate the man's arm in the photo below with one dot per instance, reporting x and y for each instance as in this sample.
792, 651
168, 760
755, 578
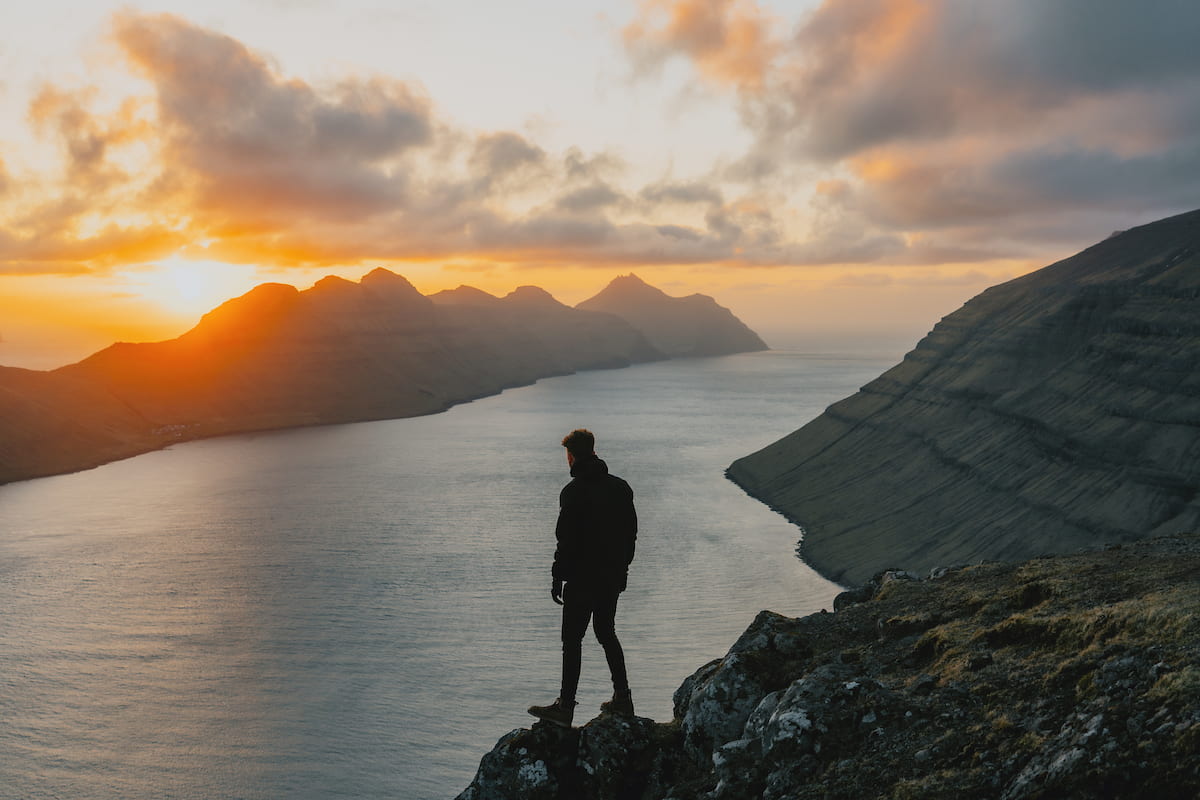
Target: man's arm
631, 525
566, 534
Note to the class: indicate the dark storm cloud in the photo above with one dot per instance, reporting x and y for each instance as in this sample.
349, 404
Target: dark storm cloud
864, 73
947, 115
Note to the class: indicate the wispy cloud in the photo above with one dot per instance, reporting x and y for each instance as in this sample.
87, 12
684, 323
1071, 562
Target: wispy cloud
730, 41
883, 132
249, 165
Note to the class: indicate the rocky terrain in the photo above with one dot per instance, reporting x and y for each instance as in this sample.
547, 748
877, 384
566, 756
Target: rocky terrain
1053, 412
1060, 677
278, 357
678, 326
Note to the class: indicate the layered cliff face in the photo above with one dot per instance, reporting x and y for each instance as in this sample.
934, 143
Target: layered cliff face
1057, 411
678, 326
1062, 677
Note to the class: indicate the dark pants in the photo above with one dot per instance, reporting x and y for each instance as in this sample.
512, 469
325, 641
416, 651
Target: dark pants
580, 604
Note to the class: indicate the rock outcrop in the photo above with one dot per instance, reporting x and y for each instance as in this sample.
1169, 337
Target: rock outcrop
1057, 411
678, 326
1061, 677
278, 357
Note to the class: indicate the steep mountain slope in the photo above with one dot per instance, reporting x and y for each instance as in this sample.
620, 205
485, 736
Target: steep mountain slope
678, 326
1056, 411
52, 423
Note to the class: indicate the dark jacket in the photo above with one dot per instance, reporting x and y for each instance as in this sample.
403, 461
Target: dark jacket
597, 527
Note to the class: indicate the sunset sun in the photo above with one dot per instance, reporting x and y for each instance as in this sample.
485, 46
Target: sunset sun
185, 287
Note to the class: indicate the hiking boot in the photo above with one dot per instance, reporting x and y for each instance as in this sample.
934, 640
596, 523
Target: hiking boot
558, 712
621, 704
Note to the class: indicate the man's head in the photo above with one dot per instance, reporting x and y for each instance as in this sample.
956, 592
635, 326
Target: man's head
579, 443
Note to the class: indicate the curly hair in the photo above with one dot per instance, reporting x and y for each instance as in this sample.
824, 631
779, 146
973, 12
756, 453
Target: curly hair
580, 442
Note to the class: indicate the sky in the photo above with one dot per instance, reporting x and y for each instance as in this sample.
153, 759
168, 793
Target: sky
841, 174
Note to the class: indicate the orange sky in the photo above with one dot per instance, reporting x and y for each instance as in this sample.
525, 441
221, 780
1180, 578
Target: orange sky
839, 174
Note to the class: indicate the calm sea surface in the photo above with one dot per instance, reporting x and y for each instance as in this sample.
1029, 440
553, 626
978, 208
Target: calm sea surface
360, 611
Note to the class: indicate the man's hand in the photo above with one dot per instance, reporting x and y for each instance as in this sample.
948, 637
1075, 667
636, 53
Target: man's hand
556, 591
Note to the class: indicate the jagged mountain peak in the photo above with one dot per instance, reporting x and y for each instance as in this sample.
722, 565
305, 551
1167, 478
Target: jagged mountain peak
464, 295
532, 296
265, 301
695, 325
380, 277
628, 288
332, 283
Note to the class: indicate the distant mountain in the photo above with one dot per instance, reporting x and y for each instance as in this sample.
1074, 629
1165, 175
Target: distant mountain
1054, 412
278, 357
53, 423
344, 351
678, 326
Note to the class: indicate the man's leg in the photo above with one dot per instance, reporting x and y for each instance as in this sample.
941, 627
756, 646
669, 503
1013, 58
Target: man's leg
604, 623
577, 610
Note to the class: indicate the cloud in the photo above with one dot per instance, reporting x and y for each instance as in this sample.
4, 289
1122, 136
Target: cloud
244, 164
258, 148
580, 166
85, 140
884, 132
939, 116
729, 40
63, 253
682, 192
861, 74
505, 152
589, 198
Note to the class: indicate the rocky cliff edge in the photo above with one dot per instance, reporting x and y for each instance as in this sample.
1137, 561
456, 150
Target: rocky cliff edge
1061, 677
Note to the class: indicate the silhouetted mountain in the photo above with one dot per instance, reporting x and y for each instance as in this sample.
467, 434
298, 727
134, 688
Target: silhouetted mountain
678, 326
1057, 411
54, 423
344, 351
464, 295
279, 357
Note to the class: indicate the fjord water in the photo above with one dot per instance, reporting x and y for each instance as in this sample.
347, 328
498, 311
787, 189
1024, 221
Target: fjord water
360, 611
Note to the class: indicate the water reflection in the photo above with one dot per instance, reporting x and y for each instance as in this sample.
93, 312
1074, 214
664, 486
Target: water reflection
361, 610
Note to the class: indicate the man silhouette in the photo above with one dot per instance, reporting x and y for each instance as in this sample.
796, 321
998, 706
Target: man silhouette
596, 533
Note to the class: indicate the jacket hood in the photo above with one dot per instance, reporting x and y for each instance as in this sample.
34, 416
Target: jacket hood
589, 467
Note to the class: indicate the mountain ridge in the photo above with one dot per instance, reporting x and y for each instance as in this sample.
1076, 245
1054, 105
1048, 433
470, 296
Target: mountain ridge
278, 357
694, 325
